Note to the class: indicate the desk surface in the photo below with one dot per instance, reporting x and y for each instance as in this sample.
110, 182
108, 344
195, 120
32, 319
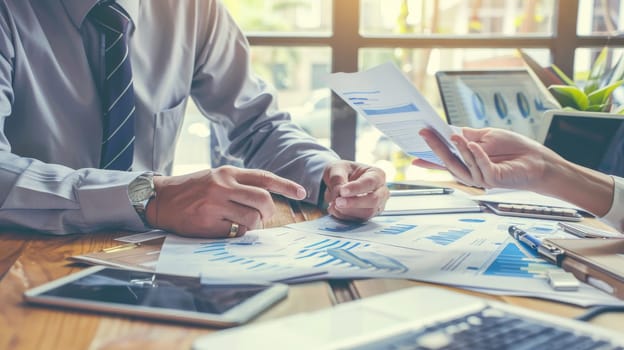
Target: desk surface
28, 260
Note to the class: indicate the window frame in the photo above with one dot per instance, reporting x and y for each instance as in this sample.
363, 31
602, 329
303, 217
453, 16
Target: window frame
346, 42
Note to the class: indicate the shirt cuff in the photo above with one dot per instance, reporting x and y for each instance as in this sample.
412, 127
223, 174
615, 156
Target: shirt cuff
615, 216
107, 205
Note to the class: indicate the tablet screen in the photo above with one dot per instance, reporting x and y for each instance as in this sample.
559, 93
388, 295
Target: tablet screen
593, 142
152, 290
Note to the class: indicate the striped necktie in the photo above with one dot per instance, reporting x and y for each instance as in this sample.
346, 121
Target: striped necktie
117, 89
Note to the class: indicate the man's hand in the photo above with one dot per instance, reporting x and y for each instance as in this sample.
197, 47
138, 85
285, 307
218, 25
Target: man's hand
206, 203
354, 191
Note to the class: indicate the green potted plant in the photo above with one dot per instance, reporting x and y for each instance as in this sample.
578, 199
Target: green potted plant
595, 94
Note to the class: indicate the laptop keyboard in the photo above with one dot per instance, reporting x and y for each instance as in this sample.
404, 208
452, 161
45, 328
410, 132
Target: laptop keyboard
490, 329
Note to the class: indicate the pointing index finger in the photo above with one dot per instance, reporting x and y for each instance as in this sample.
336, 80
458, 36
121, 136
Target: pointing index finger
272, 183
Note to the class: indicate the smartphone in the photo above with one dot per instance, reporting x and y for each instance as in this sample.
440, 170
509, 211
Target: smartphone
218, 303
409, 189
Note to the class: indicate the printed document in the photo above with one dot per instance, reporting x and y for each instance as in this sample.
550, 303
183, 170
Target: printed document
283, 253
467, 250
470, 250
385, 97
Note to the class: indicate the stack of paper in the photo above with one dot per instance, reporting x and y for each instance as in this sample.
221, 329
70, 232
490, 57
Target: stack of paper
471, 250
456, 202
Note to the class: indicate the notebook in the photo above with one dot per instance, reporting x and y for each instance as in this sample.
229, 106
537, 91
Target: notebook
416, 318
141, 256
456, 202
598, 262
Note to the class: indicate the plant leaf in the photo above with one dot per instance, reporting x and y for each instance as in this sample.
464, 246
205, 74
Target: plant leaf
617, 72
570, 96
591, 86
598, 70
544, 74
599, 108
601, 96
562, 75
600, 66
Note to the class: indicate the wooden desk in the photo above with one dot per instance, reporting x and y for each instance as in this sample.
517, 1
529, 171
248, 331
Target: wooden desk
28, 260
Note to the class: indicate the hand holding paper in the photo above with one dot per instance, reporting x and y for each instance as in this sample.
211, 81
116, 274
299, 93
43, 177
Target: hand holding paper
390, 102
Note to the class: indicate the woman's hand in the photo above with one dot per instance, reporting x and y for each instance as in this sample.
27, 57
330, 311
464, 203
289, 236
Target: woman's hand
492, 158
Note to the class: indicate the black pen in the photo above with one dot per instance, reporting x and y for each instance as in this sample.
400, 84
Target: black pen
524, 237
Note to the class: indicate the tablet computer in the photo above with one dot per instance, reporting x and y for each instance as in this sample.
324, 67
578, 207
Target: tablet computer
591, 139
219, 303
507, 99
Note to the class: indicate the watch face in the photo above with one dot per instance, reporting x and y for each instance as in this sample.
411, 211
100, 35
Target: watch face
140, 190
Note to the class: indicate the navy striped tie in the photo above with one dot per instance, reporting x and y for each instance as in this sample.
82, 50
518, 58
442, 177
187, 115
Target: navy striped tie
117, 89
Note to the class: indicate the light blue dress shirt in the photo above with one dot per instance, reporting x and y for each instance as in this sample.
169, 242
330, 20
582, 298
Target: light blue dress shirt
615, 216
50, 111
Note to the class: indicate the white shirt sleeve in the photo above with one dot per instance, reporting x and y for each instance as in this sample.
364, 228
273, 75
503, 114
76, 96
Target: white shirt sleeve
615, 216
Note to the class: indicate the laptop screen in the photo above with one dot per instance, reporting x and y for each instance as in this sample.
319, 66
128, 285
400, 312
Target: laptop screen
507, 99
593, 142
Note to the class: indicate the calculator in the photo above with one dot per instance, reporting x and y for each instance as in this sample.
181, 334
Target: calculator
534, 211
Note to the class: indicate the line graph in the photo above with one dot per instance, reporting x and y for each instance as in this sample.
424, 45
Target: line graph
309, 252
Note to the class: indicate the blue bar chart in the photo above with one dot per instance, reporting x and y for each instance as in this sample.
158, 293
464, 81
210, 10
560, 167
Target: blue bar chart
341, 226
448, 237
513, 262
396, 229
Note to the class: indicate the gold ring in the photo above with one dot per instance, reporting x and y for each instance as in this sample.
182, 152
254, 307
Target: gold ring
233, 230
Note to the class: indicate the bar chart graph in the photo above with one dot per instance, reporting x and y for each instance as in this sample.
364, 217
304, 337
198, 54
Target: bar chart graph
513, 262
396, 229
448, 237
341, 226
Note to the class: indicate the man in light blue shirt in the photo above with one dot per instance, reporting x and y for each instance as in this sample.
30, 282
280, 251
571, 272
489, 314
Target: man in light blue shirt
51, 130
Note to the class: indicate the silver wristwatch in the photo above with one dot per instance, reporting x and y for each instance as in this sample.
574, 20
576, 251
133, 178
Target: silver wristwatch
141, 191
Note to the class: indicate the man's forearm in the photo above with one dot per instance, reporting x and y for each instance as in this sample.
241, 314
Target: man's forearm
59, 200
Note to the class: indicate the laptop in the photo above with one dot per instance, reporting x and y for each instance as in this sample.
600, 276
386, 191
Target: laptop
593, 140
416, 318
506, 99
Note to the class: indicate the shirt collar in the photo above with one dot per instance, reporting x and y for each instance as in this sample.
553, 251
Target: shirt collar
78, 9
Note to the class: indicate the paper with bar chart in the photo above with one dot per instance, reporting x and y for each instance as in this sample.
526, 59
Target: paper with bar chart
385, 97
471, 250
283, 254
466, 250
